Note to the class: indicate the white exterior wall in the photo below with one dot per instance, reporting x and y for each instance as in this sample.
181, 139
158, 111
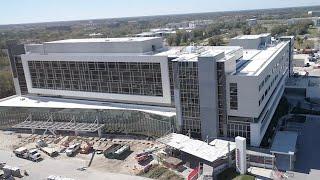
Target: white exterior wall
241, 155
248, 96
246, 43
16, 86
257, 130
103, 47
163, 60
248, 86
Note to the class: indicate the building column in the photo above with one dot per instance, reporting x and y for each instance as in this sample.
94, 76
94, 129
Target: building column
290, 162
241, 155
76, 133
33, 130
100, 133
273, 159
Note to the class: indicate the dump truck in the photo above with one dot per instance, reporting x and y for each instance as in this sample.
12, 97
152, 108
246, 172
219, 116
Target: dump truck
122, 150
73, 149
43, 146
24, 153
108, 153
117, 151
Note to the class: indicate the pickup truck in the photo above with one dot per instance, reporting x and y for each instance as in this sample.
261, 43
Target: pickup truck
24, 153
73, 149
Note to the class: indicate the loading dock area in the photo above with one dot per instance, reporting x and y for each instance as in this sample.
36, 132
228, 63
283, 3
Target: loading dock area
284, 148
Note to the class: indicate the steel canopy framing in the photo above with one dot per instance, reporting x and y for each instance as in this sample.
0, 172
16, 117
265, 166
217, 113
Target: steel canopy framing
53, 126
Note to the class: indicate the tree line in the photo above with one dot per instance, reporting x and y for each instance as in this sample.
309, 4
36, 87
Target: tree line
6, 83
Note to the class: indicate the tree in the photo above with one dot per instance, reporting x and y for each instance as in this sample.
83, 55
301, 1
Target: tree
215, 41
259, 29
6, 84
278, 30
300, 28
246, 30
170, 39
299, 41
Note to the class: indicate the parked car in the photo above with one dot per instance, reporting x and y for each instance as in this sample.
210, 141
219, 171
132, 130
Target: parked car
73, 149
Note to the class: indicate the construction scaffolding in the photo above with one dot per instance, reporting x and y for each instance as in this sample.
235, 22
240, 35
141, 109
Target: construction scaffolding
87, 120
52, 126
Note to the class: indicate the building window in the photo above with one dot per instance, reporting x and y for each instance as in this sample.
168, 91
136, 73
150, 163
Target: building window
134, 78
233, 96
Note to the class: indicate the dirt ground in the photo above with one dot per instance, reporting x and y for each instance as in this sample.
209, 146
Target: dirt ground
127, 165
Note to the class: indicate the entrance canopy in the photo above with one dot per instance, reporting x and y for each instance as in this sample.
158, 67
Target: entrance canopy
284, 143
210, 152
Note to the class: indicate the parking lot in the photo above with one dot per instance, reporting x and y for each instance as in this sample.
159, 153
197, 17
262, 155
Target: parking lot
308, 157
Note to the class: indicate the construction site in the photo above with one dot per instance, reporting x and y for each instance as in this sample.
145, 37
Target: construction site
65, 143
82, 157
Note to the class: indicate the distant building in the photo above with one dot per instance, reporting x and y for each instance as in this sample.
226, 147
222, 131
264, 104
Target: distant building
314, 13
300, 60
293, 21
316, 21
252, 22
259, 41
207, 91
190, 24
161, 32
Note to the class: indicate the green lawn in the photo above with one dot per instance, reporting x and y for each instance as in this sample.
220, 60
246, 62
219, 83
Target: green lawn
161, 173
231, 174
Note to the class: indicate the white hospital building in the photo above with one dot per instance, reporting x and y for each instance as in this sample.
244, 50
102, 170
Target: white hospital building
208, 91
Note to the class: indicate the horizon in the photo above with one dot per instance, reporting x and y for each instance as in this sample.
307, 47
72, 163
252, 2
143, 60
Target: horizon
25, 17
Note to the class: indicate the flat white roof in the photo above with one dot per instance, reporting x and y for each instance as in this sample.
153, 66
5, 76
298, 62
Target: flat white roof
210, 152
88, 40
252, 36
301, 56
258, 59
284, 143
50, 102
190, 53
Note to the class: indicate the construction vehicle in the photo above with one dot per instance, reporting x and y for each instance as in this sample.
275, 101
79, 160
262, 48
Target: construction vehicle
122, 150
142, 156
9, 172
86, 149
73, 149
43, 146
24, 153
146, 154
115, 152
67, 141
108, 153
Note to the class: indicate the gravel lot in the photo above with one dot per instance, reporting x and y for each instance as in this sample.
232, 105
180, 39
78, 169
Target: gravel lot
101, 168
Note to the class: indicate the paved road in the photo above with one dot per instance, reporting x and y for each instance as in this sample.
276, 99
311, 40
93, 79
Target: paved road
66, 168
307, 164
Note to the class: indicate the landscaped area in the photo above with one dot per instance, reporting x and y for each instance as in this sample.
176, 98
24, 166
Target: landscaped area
231, 173
162, 173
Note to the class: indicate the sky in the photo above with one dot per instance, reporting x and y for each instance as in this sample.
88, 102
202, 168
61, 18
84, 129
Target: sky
30, 11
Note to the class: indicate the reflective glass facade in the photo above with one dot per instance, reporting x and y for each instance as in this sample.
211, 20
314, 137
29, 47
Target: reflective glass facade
133, 78
189, 96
